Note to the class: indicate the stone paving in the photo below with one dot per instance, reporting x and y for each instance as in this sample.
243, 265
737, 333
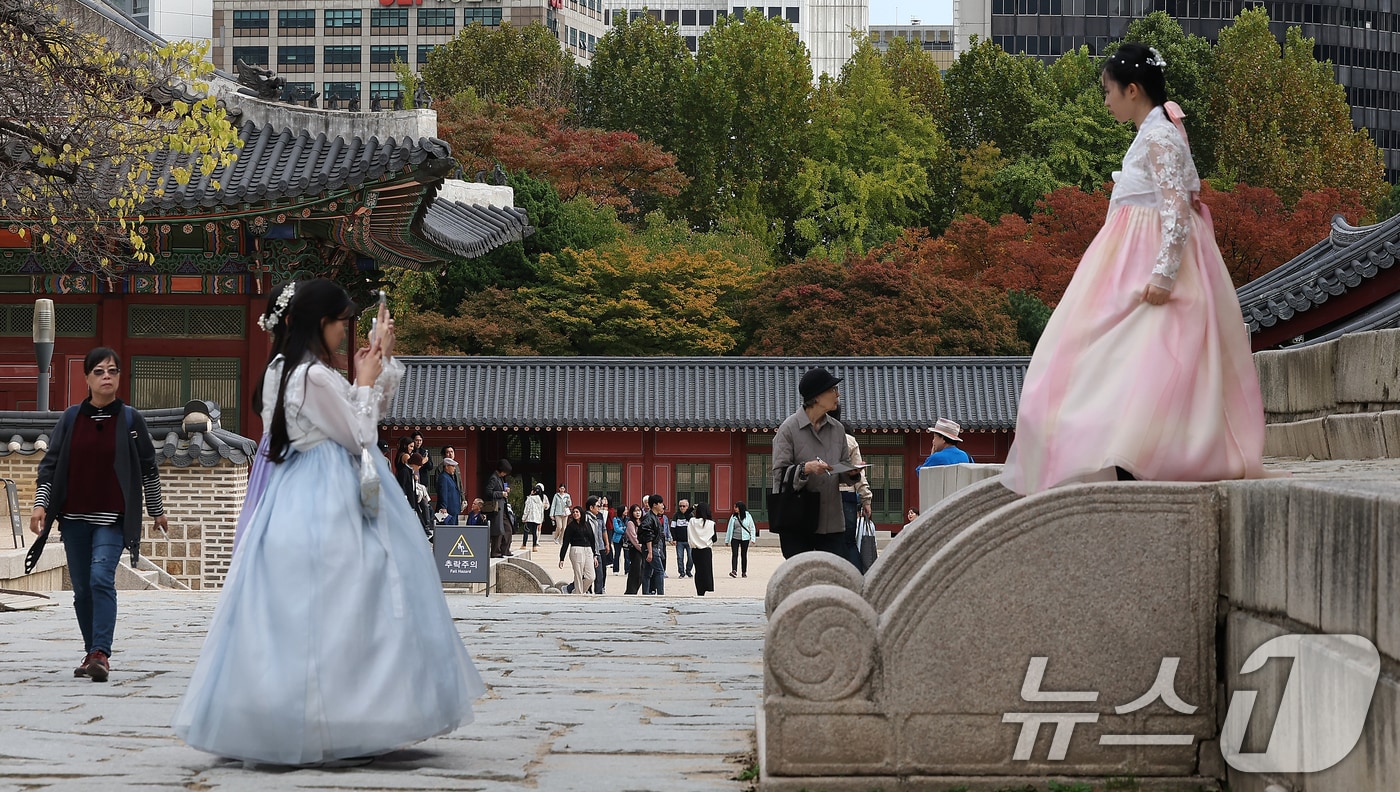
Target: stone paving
611, 694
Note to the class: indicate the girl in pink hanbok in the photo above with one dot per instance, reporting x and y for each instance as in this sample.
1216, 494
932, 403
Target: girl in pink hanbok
1144, 370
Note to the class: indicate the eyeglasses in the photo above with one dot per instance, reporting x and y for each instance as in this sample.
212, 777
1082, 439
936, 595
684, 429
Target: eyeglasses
103, 372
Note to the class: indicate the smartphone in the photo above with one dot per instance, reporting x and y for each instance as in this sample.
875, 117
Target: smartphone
374, 322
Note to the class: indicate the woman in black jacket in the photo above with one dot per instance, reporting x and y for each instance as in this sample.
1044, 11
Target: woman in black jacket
104, 449
579, 547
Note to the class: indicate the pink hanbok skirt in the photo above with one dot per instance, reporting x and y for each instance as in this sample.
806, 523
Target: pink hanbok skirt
1166, 392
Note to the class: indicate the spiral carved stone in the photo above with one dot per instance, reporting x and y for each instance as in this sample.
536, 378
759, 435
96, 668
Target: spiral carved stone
810, 569
821, 643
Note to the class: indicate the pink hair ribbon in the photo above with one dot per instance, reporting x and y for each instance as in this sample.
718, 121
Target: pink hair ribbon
1175, 113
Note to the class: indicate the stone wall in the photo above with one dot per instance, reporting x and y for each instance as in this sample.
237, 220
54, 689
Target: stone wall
201, 504
1335, 400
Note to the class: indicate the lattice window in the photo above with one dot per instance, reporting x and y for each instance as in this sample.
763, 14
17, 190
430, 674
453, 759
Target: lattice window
693, 483
173, 381
873, 440
180, 321
70, 320
886, 478
760, 477
604, 478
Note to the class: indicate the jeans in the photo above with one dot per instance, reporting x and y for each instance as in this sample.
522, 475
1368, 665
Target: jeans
737, 547
530, 530
657, 572
684, 563
851, 506
93, 552
601, 579
617, 554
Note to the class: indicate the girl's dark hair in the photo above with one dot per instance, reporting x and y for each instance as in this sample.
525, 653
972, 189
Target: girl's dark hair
296, 337
1133, 63
635, 508
405, 443
96, 357
702, 510
743, 510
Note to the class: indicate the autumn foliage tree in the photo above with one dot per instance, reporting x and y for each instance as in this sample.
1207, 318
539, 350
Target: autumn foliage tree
1257, 232
894, 300
615, 169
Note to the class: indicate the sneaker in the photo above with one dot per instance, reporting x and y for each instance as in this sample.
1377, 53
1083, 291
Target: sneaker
734, 574
97, 667
81, 670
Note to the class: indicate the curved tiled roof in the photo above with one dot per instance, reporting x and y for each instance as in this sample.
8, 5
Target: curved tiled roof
1346, 259
736, 393
27, 432
279, 163
1380, 316
471, 230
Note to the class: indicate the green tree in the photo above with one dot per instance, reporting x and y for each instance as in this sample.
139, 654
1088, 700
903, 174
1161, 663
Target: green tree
1189, 63
507, 64
993, 98
84, 120
750, 111
874, 159
638, 80
1283, 119
914, 71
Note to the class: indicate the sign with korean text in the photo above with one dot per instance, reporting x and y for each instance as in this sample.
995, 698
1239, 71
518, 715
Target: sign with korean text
462, 553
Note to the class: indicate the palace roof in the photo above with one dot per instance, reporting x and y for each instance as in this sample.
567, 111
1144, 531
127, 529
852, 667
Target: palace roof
720, 393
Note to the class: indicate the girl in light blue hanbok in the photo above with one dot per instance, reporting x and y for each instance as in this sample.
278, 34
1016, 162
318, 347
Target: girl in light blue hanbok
332, 639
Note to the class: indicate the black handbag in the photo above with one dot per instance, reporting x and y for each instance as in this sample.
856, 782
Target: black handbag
31, 559
792, 510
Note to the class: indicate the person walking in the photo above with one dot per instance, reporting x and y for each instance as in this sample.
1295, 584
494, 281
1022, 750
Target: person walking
701, 531
331, 639
532, 514
805, 448
559, 508
597, 519
740, 533
685, 565
579, 547
449, 496
99, 468
1144, 370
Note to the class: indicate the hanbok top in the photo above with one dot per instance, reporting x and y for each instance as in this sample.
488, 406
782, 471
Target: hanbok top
317, 399
1158, 173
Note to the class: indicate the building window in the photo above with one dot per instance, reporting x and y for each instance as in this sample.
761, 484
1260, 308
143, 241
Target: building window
389, 18
253, 56
387, 53
759, 479
693, 483
296, 56
299, 22
70, 320
250, 20
437, 19
886, 478
385, 90
604, 478
672, 16
633, 16
688, 17
775, 12
343, 54
738, 13
792, 14
486, 17
342, 20
181, 321
307, 88
707, 17
573, 36
424, 50
691, 42
341, 90
173, 381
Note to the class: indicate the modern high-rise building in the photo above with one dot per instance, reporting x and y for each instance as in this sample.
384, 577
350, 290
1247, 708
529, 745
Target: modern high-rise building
172, 20
936, 40
345, 49
1363, 43
824, 26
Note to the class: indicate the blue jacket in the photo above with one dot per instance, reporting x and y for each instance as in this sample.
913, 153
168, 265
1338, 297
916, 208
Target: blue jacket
449, 497
951, 455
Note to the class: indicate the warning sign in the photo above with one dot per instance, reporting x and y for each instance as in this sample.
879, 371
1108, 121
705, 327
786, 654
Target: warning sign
462, 554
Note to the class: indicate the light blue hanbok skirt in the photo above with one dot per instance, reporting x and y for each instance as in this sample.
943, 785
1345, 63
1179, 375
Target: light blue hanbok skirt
332, 638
